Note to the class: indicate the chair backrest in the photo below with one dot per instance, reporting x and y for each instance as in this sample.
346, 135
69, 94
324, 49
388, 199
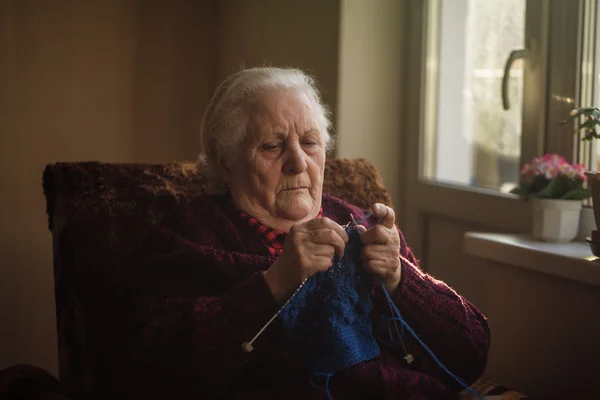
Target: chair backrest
97, 212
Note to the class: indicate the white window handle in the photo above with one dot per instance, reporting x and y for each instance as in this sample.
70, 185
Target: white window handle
514, 55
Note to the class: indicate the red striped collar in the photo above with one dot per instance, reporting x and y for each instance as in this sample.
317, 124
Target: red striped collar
273, 238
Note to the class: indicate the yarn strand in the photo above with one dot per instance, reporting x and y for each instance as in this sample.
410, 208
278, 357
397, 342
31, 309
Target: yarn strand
398, 317
327, 377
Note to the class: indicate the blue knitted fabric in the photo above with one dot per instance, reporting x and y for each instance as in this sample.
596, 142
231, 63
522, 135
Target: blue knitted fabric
328, 318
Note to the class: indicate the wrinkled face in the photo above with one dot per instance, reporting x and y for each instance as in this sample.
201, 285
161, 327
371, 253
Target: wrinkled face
277, 174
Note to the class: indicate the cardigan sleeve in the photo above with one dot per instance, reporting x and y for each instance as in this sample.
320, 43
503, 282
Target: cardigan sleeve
455, 331
184, 346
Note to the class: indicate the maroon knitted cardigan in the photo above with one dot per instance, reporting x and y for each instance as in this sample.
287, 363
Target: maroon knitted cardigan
187, 332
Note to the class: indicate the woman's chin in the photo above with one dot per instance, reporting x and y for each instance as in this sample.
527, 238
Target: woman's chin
294, 210
294, 214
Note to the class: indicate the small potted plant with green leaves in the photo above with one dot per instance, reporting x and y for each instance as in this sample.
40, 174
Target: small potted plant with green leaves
556, 189
587, 124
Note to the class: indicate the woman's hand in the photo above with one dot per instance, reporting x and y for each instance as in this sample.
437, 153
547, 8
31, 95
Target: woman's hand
381, 250
308, 249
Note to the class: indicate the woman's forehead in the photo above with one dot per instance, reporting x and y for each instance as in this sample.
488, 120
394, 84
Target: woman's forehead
282, 112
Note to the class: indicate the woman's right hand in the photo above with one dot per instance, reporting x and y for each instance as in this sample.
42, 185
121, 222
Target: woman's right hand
309, 248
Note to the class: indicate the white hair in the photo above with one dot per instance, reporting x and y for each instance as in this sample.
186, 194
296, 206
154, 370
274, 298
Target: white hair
226, 117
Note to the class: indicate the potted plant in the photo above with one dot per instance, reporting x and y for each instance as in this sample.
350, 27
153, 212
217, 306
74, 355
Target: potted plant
556, 189
588, 125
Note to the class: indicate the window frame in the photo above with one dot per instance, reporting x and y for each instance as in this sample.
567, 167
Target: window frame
565, 78
535, 78
551, 87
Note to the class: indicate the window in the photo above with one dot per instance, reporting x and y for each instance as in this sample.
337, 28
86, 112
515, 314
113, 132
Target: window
464, 150
470, 139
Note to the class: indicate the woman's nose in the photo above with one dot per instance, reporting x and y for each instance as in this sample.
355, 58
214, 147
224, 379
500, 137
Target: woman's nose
295, 162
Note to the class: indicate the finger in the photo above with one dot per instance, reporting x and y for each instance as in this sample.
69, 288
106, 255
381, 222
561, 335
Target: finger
329, 237
377, 252
312, 256
377, 234
326, 223
361, 229
318, 263
378, 268
322, 263
322, 254
386, 213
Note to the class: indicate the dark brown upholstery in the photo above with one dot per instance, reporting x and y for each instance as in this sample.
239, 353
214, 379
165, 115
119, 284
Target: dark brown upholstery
90, 190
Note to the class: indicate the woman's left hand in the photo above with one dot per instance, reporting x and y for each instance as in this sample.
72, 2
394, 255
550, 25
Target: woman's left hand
381, 250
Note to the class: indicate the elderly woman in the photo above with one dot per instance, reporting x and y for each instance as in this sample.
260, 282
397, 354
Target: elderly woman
245, 249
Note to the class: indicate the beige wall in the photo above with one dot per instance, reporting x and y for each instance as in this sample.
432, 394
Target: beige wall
85, 80
286, 33
370, 93
174, 76
545, 329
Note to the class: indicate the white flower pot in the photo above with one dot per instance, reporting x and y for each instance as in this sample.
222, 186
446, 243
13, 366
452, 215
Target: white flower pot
556, 220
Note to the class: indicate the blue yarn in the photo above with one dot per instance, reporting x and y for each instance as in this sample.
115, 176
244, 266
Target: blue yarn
328, 318
324, 385
399, 318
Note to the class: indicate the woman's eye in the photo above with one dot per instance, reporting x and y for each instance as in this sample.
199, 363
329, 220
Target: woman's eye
309, 144
270, 147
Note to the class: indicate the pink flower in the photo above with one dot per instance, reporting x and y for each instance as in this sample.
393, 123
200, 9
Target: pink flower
552, 166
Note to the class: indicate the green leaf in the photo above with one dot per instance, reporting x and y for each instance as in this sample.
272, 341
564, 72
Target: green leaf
577, 194
520, 191
591, 135
587, 111
552, 189
590, 123
583, 111
538, 183
556, 188
569, 119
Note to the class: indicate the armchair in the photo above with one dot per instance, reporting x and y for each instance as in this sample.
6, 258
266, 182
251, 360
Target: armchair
122, 202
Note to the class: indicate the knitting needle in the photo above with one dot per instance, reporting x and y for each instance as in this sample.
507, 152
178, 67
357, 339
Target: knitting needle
409, 358
353, 219
247, 346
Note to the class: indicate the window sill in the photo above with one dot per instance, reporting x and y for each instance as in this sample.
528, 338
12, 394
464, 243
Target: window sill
572, 261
